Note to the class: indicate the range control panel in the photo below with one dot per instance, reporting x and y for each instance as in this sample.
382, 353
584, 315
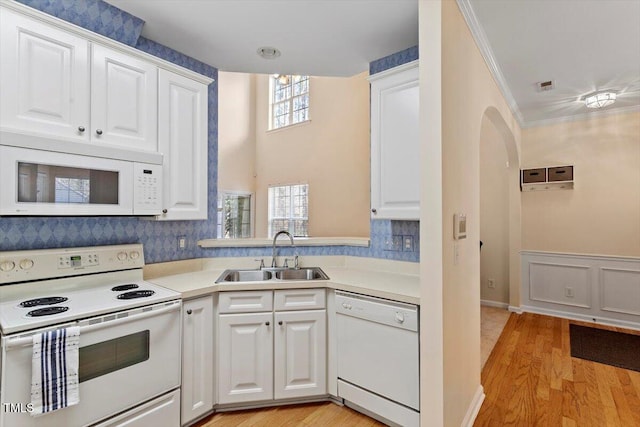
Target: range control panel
21, 266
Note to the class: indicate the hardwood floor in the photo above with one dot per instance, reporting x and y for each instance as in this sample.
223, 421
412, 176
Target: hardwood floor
530, 379
313, 414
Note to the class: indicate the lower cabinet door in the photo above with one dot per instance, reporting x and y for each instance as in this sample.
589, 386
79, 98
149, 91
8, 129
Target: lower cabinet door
300, 354
245, 357
197, 358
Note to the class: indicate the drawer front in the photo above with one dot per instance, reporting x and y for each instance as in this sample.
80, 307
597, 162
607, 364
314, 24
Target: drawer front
534, 175
299, 299
562, 173
245, 301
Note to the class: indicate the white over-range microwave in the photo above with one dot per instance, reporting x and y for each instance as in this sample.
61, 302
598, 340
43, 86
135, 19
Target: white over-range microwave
41, 182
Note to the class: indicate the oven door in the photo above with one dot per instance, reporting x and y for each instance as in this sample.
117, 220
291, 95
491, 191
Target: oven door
150, 338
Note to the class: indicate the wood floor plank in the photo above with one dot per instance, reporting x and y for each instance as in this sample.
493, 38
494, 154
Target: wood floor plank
530, 379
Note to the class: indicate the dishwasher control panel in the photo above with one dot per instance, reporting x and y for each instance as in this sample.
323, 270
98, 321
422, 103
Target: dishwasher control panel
390, 313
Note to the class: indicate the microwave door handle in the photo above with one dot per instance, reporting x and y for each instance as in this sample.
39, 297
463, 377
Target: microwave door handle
28, 340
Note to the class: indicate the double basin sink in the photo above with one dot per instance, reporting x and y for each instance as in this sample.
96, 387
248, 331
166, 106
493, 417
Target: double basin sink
303, 273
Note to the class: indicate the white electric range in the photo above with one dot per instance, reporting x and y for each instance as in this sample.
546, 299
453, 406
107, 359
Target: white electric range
129, 351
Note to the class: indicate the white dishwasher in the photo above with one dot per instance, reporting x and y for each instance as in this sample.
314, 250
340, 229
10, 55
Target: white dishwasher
378, 357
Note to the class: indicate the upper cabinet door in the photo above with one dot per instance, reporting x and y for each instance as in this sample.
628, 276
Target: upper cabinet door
395, 143
44, 75
124, 100
183, 113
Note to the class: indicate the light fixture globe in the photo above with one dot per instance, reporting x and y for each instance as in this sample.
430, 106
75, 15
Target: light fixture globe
599, 99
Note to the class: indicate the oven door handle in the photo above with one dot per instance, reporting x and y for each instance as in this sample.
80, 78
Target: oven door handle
26, 341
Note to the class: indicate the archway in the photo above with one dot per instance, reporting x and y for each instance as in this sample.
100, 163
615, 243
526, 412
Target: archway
494, 126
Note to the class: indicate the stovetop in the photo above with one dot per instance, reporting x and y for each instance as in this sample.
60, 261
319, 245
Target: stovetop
49, 287
80, 303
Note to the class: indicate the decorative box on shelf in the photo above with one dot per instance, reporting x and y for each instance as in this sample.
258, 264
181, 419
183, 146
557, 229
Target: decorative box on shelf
549, 178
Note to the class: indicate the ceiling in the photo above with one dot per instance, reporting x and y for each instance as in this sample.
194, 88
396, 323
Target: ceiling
316, 37
582, 46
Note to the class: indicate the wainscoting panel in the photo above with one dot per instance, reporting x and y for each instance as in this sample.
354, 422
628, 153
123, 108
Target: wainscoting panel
560, 284
595, 288
620, 290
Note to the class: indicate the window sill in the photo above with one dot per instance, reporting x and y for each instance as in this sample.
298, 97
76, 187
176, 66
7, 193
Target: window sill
295, 125
298, 241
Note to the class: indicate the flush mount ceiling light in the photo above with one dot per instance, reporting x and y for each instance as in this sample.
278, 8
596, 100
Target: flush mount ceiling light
268, 52
599, 99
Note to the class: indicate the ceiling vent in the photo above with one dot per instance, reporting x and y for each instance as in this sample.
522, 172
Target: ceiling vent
545, 86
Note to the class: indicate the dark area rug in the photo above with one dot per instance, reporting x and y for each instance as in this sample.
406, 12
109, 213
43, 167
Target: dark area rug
608, 347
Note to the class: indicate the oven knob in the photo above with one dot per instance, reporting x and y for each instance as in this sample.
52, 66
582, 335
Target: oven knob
7, 265
399, 317
26, 264
134, 255
122, 256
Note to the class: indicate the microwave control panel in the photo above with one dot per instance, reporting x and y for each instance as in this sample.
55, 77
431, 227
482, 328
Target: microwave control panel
147, 189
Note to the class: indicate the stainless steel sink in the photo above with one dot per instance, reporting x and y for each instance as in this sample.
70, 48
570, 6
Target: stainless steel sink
244, 276
305, 273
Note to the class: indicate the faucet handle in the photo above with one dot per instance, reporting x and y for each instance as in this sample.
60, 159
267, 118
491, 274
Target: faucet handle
286, 262
261, 262
295, 263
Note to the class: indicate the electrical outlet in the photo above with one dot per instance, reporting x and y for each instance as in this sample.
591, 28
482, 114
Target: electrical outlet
182, 242
568, 292
407, 245
492, 284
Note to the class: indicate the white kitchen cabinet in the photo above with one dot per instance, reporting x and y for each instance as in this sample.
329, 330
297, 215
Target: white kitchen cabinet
245, 357
182, 114
197, 358
124, 99
300, 349
395, 143
271, 355
44, 75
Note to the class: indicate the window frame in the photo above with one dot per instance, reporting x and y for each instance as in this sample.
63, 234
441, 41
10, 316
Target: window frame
220, 213
270, 209
288, 101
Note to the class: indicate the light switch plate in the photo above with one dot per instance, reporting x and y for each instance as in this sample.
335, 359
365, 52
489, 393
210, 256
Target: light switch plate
407, 243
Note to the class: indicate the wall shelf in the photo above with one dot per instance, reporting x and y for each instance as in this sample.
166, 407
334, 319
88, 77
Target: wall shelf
547, 178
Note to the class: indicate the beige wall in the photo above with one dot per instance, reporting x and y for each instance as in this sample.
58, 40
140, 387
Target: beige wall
236, 132
330, 153
468, 93
494, 215
601, 215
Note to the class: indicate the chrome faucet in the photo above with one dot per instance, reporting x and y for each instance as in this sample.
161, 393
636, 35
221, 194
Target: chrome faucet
274, 264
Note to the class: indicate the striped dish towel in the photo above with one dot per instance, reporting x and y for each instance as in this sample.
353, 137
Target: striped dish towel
54, 370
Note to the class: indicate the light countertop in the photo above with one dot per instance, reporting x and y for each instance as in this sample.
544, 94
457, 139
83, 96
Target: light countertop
392, 280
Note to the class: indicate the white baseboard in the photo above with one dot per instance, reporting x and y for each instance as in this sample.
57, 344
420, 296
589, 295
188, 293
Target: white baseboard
496, 304
582, 318
474, 408
514, 309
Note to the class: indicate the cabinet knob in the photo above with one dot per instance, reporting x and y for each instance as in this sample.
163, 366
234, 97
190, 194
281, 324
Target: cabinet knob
374, 210
164, 211
80, 129
99, 131
267, 323
280, 323
189, 311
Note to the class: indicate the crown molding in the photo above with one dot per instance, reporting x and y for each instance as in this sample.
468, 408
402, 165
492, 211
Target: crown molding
487, 53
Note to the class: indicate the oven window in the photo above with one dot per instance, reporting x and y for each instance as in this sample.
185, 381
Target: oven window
39, 183
110, 356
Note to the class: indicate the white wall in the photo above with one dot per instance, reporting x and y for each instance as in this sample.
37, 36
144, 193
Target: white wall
601, 215
494, 216
236, 132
